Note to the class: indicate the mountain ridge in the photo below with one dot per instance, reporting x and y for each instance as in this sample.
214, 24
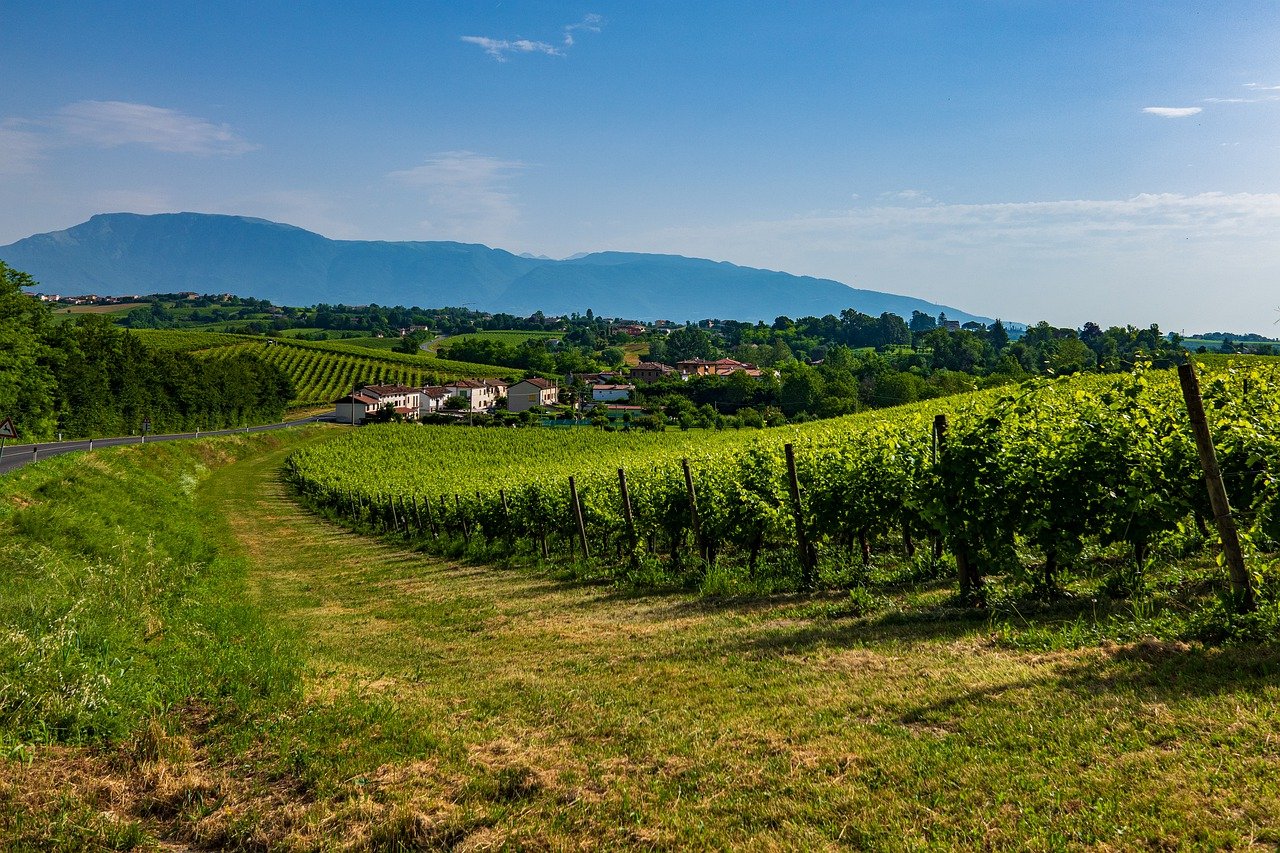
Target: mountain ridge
126, 253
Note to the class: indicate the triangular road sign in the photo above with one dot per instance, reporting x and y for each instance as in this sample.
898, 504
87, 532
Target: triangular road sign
7, 430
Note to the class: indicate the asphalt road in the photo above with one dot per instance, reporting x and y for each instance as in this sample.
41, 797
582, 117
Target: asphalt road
17, 455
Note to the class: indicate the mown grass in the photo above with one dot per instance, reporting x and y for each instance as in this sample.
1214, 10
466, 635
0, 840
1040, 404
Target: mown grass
457, 705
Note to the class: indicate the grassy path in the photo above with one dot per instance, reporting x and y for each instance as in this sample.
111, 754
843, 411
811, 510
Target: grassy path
452, 704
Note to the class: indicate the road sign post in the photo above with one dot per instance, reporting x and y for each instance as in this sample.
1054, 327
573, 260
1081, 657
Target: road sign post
146, 427
7, 431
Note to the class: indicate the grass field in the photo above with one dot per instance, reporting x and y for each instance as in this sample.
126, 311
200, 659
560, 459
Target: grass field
121, 308
510, 337
449, 705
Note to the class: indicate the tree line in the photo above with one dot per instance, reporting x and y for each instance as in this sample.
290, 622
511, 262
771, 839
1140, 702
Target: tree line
90, 378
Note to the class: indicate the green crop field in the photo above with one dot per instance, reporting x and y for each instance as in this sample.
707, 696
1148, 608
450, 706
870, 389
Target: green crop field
322, 375
183, 340
323, 371
189, 659
1031, 479
510, 337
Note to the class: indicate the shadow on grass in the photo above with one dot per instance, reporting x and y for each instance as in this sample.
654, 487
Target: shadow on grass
1145, 671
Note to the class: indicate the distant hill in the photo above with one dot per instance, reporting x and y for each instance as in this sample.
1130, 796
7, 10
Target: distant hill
125, 253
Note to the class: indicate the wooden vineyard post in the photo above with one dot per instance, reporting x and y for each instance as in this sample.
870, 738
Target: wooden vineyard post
480, 513
462, 518
395, 520
1241, 583
431, 520
935, 537
577, 514
506, 517
693, 508
542, 528
633, 542
969, 582
802, 538
417, 515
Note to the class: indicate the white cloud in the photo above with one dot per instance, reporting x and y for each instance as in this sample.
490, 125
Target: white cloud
110, 124
589, 23
1172, 112
908, 196
500, 49
1258, 94
1194, 261
466, 195
20, 149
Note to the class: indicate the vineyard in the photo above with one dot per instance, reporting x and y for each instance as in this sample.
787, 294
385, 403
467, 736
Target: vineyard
1019, 484
321, 372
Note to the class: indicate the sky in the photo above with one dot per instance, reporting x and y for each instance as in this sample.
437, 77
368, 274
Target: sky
1115, 162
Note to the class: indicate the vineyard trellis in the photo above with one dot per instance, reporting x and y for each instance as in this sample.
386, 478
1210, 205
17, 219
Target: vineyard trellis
1048, 467
322, 374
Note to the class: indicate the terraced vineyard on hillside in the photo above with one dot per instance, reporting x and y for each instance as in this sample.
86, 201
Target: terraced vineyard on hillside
322, 376
323, 371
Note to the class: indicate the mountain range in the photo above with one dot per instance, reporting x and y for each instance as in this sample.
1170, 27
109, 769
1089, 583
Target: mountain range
116, 254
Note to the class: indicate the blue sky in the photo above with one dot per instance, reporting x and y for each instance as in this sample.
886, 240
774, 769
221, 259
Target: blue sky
1071, 161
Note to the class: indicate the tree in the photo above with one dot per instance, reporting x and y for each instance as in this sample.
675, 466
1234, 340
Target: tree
411, 343
457, 403
26, 381
998, 337
688, 343
921, 322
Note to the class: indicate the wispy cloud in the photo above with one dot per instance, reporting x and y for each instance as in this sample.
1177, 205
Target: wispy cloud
501, 49
1139, 259
907, 196
1258, 93
110, 124
20, 148
466, 194
589, 24
1172, 112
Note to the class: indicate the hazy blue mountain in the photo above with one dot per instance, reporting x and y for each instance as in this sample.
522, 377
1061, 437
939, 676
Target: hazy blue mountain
125, 253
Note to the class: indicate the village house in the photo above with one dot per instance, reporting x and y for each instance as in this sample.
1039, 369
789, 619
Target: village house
480, 394
719, 367
355, 408
532, 392
432, 400
650, 371
611, 393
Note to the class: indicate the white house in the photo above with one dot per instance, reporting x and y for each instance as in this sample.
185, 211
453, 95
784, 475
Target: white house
355, 408
611, 393
532, 392
432, 400
480, 394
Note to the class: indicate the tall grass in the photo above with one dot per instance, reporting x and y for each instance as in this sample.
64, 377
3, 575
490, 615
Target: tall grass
115, 609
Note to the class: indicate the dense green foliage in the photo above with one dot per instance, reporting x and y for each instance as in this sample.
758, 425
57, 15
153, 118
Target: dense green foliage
1022, 479
90, 378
